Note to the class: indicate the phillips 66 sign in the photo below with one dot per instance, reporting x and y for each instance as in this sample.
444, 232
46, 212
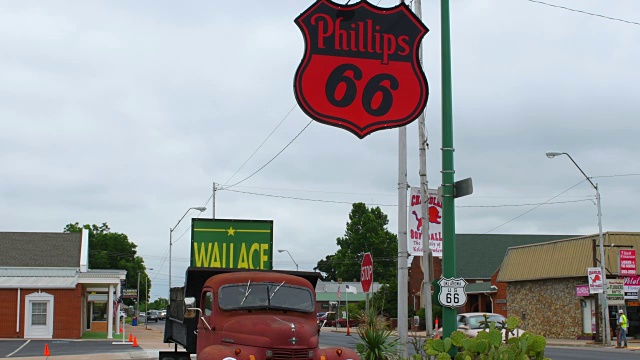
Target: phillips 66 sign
452, 292
360, 69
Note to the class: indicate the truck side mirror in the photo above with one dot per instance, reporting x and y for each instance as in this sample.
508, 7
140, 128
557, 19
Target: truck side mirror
189, 308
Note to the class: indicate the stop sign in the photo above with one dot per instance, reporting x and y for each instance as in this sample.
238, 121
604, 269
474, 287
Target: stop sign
366, 272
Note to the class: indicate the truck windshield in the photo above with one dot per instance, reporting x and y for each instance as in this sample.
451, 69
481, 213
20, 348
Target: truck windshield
265, 296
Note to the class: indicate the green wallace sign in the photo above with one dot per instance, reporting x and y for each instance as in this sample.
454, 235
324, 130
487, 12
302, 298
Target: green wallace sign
229, 243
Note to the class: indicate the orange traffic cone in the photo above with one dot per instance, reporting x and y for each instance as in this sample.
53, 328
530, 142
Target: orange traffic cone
130, 337
348, 329
46, 350
135, 341
437, 328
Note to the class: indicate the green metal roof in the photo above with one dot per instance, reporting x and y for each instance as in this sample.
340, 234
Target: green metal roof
478, 256
331, 296
482, 287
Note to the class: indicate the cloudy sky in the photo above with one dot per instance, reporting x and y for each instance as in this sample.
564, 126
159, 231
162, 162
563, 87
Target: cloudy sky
127, 112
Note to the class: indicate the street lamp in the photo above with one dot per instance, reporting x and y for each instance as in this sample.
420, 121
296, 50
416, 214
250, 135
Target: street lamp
146, 306
603, 296
199, 208
290, 257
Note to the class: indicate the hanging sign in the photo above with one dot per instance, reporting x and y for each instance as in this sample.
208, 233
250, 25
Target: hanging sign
596, 285
627, 262
360, 70
415, 233
615, 292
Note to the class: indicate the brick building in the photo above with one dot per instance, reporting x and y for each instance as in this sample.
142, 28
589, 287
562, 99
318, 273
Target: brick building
540, 284
478, 256
47, 290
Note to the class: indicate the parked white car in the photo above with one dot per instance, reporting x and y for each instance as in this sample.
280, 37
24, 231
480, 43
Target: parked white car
471, 323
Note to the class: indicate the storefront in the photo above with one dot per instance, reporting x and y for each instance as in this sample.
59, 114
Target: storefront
631, 287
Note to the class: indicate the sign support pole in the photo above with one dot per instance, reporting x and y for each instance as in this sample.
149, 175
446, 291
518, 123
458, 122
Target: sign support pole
448, 178
403, 285
424, 203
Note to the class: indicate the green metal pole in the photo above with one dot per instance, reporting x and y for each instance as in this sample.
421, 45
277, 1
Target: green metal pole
448, 218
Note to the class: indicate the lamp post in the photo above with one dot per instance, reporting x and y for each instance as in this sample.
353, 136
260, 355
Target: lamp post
606, 339
146, 306
199, 208
290, 257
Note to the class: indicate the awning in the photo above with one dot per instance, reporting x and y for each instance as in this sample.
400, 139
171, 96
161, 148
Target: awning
30, 282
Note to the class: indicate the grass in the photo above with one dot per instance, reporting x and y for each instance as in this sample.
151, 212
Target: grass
91, 335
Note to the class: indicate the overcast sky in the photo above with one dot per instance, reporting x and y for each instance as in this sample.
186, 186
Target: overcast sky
126, 112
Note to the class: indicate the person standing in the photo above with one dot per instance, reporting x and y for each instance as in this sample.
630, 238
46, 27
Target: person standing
622, 328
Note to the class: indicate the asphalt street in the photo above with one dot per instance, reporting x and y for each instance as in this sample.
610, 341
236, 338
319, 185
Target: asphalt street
29, 348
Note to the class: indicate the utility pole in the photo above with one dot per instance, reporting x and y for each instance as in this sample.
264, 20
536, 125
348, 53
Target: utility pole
424, 205
213, 201
138, 298
403, 291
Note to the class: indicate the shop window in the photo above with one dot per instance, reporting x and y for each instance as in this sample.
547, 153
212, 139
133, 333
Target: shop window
99, 312
207, 303
38, 313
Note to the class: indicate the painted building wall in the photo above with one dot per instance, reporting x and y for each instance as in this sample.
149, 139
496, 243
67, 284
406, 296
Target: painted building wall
547, 307
67, 312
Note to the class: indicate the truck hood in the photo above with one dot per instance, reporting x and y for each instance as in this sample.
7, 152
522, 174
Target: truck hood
279, 331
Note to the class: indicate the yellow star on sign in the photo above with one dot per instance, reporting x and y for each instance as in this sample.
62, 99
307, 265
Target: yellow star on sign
231, 231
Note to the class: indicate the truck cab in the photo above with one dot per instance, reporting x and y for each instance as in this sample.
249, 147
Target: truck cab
251, 315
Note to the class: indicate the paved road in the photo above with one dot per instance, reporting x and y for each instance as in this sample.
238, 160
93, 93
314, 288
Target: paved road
28, 348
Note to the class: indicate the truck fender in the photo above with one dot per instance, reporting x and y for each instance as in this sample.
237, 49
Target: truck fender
338, 353
219, 352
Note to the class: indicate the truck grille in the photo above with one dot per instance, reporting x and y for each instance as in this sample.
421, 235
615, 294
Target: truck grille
290, 354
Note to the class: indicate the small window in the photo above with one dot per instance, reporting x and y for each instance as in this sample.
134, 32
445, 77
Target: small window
99, 312
207, 303
39, 313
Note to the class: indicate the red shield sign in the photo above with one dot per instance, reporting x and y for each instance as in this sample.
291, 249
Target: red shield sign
360, 69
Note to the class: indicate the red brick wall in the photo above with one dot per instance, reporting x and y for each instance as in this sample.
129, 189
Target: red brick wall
67, 312
415, 276
500, 305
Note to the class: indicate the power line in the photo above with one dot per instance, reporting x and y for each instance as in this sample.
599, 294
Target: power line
395, 205
530, 210
585, 12
273, 158
259, 147
611, 176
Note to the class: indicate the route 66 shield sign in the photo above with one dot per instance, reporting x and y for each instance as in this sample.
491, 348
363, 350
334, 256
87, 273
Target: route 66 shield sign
452, 292
360, 69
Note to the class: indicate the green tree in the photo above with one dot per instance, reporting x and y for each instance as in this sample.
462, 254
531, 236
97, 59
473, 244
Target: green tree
112, 250
366, 232
326, 268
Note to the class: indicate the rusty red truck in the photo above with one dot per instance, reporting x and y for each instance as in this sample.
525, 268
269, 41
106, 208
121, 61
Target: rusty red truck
234, 314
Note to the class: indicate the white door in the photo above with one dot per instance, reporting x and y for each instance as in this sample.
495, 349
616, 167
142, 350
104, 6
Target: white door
39, 316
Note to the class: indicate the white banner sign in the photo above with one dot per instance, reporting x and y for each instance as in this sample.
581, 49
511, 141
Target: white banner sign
596, 285
415, 237
615, 292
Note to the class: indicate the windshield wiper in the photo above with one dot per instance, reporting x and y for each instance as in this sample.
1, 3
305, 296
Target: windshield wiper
246, 292
274, 291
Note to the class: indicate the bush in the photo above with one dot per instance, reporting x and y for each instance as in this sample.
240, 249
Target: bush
489, 345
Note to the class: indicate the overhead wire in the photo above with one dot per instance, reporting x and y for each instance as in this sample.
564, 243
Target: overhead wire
260, 146
530, 210
269, 162
585, 12
395, 205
